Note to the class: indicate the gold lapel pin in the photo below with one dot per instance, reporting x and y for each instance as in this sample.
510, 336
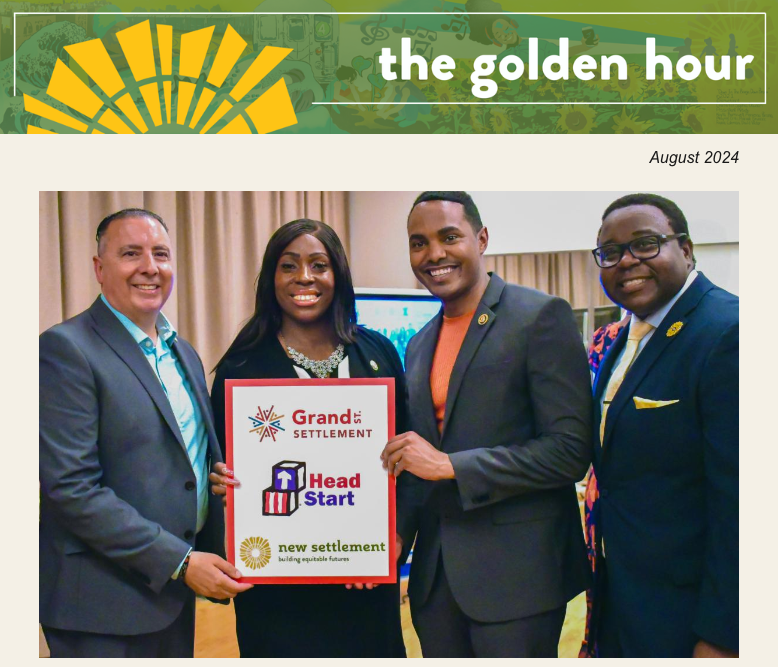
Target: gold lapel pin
373, 365
483, 319
674, 329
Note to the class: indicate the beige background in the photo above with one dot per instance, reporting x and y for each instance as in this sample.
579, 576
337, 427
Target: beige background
219, 239
32, 164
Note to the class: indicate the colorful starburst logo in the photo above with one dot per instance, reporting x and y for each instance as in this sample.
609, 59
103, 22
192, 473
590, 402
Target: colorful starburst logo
267, 423
124, 105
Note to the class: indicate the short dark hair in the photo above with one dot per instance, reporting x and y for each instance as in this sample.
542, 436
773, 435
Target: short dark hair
674, 215
266, 320
471, 210
102, 228
481, 23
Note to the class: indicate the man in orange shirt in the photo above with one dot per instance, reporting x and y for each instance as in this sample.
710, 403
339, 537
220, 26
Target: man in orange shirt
499, 404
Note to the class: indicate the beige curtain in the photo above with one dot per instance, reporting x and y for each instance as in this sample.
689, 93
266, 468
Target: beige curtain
218, 240
570, 275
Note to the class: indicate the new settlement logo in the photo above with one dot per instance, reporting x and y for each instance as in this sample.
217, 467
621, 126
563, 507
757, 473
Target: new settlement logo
271, 111
255, 552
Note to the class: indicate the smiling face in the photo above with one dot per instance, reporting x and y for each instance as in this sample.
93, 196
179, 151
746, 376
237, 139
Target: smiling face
304, 280
446, 254
134, 267
644, 286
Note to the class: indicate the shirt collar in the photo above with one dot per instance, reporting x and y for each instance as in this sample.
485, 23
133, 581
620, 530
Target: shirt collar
655, 319
165, 329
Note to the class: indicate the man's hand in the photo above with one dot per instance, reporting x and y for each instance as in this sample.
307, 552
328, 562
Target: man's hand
703, 649
220, 479
409, 451
211, 576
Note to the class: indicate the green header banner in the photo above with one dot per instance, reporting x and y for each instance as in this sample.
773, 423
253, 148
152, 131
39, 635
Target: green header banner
420, 67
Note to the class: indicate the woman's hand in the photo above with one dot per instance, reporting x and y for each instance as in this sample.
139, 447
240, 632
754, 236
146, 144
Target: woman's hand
220, 479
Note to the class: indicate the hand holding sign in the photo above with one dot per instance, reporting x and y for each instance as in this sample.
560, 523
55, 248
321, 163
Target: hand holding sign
409, 451
314, 504
221, 478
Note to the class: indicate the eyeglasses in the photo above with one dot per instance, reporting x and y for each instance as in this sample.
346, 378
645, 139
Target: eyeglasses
645, 247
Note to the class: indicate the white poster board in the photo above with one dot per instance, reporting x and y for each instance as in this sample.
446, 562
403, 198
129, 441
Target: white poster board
315, 504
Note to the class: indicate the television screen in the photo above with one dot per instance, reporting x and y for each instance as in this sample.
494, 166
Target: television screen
397, 314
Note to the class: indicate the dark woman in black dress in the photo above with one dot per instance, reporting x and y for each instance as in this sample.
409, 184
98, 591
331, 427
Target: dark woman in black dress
305, 309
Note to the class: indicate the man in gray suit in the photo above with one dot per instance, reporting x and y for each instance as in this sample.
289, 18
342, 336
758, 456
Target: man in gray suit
499, 402
128, 530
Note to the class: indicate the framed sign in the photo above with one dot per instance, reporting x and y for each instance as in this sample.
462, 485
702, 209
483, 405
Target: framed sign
315, 505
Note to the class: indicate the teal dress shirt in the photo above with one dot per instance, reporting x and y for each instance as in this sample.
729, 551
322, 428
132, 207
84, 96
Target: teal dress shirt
163, 360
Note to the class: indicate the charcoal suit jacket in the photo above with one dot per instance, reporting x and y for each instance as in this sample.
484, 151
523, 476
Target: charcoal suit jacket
517, 428
118, 494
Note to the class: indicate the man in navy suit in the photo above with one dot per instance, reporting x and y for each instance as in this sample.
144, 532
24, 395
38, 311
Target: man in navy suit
666, 452
128, 531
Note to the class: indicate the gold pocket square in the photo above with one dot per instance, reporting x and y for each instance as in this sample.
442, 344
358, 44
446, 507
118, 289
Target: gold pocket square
645, 403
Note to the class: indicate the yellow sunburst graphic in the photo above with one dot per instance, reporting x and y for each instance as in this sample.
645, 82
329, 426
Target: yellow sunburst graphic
255, 552
152, 87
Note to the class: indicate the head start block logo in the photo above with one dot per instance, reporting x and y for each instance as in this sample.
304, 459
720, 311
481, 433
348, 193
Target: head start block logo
283, 497
266, 422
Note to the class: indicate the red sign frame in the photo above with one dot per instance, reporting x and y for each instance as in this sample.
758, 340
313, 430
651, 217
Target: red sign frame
230, 514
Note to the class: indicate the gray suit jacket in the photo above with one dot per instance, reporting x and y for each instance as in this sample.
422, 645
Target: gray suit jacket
517, 429
118, 495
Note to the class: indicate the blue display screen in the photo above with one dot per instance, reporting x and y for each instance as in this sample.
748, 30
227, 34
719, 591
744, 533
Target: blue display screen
396, 317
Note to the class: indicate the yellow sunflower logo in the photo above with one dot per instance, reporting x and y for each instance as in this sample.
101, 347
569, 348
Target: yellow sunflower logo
692, 117
255, 552
498, 119
578, 119
629, 124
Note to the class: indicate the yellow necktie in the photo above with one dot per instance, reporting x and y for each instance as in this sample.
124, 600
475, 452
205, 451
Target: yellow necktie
637, 331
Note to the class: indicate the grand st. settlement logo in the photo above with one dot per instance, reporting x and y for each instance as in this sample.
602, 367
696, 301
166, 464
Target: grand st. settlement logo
266, 423
116, 109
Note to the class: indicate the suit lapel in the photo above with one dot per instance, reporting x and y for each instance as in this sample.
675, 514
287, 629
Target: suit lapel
357, 368
112, 331
656, 346
482, 322
195, 379
419, 379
